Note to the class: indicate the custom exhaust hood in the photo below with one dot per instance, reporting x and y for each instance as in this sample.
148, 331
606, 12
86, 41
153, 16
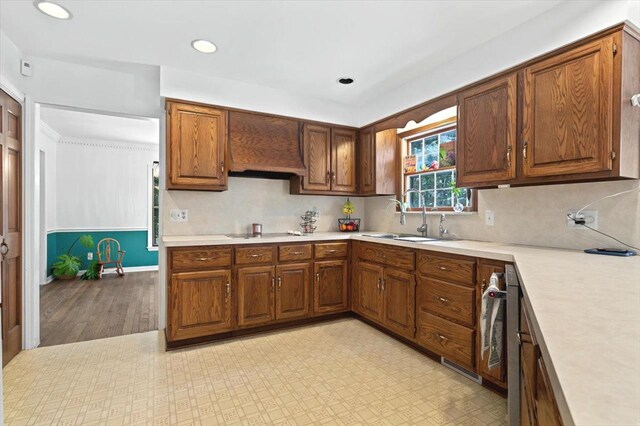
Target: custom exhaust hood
265, 144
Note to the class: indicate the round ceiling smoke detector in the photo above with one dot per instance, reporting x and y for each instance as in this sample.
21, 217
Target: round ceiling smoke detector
52, 9
203, 46
345, 80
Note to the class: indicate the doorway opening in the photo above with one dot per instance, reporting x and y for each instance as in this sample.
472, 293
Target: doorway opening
99, 214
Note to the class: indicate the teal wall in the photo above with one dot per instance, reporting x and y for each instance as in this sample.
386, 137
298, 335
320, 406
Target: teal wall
133, 242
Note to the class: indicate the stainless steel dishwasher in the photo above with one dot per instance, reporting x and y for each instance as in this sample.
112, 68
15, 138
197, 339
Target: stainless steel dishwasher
513, 344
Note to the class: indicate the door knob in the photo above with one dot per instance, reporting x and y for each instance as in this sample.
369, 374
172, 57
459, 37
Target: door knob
4, 249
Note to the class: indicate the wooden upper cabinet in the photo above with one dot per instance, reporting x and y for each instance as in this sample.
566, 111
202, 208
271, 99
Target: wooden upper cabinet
399, 290
487, 133
256, 295
197, 139
367, 162
317, 158
199, 304
568, 112
264, 143
292, 298
330, 291
343, 160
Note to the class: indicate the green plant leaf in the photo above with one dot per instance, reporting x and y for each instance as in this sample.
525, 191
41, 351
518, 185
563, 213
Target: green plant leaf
66, 265
86, 241
92, 272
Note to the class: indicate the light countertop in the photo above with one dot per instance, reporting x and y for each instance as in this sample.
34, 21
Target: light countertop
586, 314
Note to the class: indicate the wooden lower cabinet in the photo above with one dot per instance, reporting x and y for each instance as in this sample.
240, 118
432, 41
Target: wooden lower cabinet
369, 296
256, 295
451, 340
330, 288
292, 296
200, 304
399, 290
546, 408
386, 296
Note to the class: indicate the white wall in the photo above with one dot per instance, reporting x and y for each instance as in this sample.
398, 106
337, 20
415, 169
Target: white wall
531, 215
250, 201
191, 86
563, 24
102, 184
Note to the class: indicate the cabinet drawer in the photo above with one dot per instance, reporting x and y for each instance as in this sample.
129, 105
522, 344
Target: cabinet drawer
253, 255
452, 301
461, 271
445, 338
395, 257
331, 250
199, 258
294, 252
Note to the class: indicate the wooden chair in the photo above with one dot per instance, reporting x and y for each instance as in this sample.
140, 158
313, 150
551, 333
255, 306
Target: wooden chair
107, 247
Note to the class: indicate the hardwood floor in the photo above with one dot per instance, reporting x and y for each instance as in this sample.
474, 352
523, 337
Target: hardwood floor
75, 311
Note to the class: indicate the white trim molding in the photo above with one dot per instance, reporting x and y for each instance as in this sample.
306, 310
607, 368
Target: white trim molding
51, 278
105, 229
12, 90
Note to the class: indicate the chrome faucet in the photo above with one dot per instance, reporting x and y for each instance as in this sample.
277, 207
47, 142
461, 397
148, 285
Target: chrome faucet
442, 230
403, 209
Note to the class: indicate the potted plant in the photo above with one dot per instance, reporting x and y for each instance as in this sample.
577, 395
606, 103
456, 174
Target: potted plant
68, 265
457, 195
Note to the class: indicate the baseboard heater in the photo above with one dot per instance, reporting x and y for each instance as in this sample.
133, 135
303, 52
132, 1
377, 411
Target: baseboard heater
461, 370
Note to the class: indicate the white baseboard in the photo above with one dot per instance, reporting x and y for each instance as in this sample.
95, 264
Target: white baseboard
112, 271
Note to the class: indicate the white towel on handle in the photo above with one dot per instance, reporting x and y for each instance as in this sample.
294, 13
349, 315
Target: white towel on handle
491, 324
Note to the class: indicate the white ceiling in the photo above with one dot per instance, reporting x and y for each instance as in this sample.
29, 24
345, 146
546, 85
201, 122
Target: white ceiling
301, 47
70, 123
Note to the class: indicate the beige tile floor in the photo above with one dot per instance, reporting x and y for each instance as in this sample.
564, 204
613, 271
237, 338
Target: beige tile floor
342, 372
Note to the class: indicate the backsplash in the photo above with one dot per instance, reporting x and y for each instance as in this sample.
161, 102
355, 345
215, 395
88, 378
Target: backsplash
531, 215
248, 201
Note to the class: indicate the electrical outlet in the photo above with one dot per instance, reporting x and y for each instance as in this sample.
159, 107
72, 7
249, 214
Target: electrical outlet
489, 217
178, 215
590, 218
90, 256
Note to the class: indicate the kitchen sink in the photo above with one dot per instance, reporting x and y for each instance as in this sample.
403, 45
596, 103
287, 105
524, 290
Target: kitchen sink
402, 237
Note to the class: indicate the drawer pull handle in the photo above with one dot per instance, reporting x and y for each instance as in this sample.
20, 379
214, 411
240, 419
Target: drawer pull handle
441, 337
273, 283
318, 277
443, 300
378, 285
443, 268
331, 251
228, 288
203, 259
254, 255
296, 253
279, 282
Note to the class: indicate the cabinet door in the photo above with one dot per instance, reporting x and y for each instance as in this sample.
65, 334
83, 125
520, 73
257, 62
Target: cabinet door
367, 162
256, 295
497, 375
196, 147
567, 112
200, 304
370, 302
343, 160
330, 289
487, 133
292, 298
386, 161
399, 290
546, 408
317, 158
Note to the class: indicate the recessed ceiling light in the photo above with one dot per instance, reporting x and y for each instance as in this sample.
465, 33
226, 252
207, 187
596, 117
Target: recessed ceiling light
345, 80
204, 46
52, 9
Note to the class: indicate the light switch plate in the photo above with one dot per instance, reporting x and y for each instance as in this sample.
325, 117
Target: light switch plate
489, 217
89, 256
178, 215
